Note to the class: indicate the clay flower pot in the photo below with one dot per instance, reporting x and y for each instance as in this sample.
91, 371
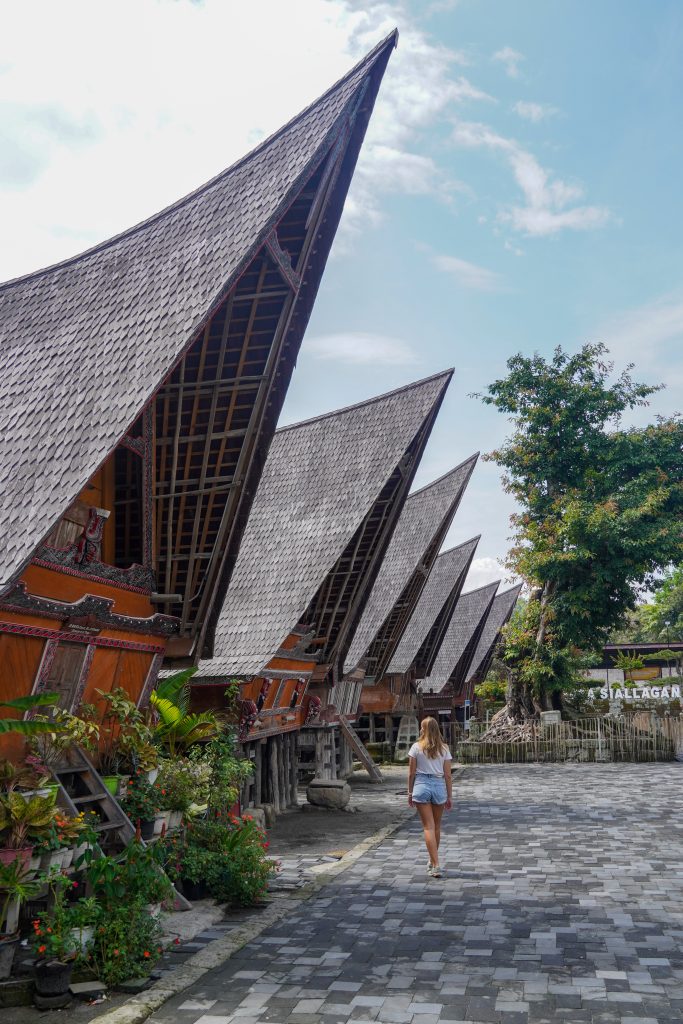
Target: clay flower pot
52, 979
9, 855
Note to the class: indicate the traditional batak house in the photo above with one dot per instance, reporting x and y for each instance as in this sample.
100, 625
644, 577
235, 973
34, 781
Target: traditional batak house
140, 388
441, 693
386, 702
331, 494
501, 610
424, 523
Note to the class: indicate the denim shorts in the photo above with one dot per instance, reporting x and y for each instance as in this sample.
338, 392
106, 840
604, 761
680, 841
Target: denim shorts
429, 789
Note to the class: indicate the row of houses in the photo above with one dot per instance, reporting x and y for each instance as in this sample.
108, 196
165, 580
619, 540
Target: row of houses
151, 515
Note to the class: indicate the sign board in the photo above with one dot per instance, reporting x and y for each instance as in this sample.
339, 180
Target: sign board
635, 693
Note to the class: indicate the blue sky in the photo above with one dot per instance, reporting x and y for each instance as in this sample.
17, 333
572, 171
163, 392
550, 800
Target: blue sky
520, 185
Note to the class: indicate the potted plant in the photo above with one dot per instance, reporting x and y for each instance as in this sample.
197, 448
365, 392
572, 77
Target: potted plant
184, 783
57, 844
127, 741
20, 821
26, 778
60, 733
84, 915
145, 880
141, 804
55, 947
16, 886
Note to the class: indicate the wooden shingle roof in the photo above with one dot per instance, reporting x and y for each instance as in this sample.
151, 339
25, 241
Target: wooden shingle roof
461, 637
501, 610
319, 483
86, 343
437, 602
425, 520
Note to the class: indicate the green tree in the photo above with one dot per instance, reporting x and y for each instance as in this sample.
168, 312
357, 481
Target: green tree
664, 616
600, 512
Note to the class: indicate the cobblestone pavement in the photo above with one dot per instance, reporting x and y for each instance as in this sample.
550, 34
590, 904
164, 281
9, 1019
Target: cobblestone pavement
562, 901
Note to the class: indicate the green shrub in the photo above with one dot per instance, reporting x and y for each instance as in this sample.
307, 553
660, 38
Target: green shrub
127, 944
228, 856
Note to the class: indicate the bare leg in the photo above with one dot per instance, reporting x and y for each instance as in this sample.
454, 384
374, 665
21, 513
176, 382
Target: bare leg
426, 813
437, 811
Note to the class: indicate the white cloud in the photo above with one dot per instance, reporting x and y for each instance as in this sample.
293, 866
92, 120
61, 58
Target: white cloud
534, 111
548, 205
651, 336
510, 59
83, 162
482, 571
360, 349
420, 88
467, 274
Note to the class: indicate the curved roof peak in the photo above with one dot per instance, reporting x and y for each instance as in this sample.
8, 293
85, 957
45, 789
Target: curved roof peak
87, 343
391, 40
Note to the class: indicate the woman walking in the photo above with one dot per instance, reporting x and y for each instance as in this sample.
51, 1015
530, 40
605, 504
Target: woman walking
430, 786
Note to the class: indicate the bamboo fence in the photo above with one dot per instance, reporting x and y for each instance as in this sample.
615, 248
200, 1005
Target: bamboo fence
641, 737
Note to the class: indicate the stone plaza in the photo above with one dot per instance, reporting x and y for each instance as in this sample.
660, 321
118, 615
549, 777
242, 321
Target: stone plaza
561, 901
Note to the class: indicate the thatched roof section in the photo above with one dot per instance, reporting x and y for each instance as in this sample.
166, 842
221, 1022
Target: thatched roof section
86, 343
501, 610
459, 643
425, 520
320, 483
421, 641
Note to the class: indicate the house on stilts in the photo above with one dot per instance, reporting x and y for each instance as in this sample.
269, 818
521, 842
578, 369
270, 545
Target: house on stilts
421, 530
501, 610
441, 694
386, 702
330, 497
141, 385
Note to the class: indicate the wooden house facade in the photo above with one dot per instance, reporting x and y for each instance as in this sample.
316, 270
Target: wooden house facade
441, 694
501, 611
420, 532
141, 385
385, 701
329, 499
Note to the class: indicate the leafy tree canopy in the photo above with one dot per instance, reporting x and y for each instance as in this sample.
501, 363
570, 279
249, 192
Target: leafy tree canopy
600, 509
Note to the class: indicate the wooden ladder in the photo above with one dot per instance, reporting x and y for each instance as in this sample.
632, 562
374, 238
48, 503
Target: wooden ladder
359, 749
89, 793
81, 788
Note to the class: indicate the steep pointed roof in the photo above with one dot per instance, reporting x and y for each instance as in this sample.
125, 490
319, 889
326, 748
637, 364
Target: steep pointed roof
437, 601
463, 633
85, 343
320, 481
424, 522
501, 610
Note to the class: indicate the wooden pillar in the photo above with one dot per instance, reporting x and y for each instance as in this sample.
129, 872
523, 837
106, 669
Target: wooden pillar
258, 773
371, 727
282, 771
273, 774
319, 754
293, 769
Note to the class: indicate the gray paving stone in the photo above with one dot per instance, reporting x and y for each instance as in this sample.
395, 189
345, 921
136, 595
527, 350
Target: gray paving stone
561, 903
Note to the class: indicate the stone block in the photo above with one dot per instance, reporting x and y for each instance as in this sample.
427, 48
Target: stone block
87, 989
332, 793
259, 815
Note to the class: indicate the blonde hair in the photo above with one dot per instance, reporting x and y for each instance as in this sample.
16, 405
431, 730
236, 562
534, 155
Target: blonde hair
431, 741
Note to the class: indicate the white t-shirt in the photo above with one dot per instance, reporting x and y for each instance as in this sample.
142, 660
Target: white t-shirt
430, 765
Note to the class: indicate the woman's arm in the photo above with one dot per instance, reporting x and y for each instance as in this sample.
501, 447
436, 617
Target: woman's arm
448, 778
411, 779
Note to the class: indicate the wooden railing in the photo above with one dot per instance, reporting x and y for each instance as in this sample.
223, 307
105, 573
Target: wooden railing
600, 739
